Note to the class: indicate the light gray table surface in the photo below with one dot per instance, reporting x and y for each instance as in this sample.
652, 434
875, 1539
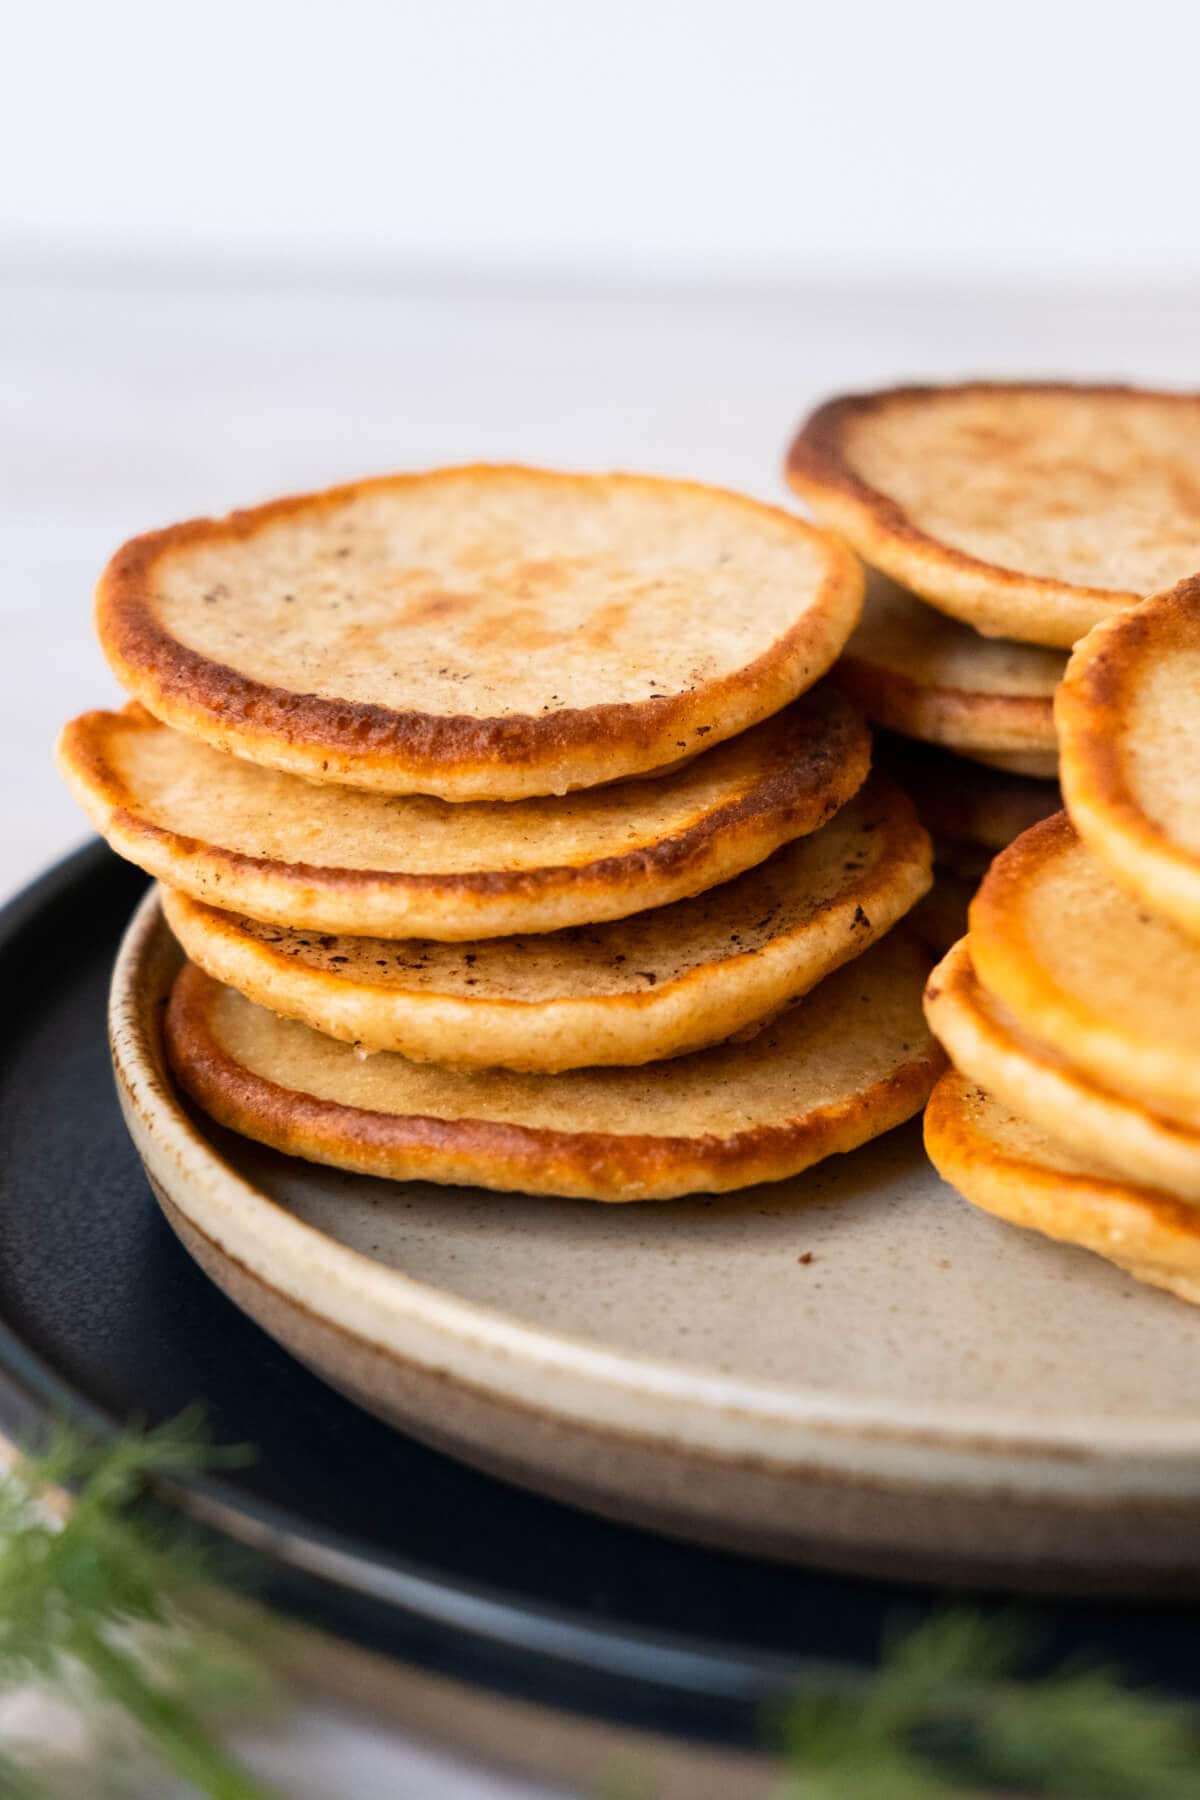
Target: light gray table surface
130, 398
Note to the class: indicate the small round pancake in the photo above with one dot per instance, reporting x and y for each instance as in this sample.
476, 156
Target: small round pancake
1003, 1164
1085, 969
291, 852
959, 801
855, 1059
1029, 510
484, 633
986, 1046
632, 991
1129, 714
917, 672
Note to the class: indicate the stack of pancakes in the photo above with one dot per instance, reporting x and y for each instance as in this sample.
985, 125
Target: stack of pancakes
1001, 522
1072, 1009
503, 822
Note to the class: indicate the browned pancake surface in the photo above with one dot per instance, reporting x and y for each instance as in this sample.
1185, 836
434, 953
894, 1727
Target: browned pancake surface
478, 633
1029, 510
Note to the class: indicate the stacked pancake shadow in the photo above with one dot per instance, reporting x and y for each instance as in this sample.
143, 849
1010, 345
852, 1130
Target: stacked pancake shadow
1071, 1010
511, 834
1000, 523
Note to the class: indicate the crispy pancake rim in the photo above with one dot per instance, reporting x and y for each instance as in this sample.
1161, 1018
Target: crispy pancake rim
1091, 710
1154, 1237
815, 755
1079, 1028
986, 1046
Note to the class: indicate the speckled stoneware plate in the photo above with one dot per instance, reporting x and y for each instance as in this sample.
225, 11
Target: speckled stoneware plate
853, 1367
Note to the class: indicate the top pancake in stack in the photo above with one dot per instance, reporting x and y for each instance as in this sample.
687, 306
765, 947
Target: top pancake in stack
1015, 511
374, 726
585, 628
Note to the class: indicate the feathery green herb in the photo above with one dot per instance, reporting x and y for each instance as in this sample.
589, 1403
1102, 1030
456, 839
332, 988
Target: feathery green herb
948, 1714
99, 1606
100, 1602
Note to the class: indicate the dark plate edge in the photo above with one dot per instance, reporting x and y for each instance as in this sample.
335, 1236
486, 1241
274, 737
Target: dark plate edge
626, 1675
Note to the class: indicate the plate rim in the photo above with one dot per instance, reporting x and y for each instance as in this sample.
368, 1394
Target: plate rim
757, 1414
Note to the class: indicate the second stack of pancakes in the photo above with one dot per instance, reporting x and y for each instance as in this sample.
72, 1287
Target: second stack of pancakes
1001, 522
511, 835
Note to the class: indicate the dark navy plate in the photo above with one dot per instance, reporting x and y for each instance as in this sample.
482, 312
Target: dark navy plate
360, 1530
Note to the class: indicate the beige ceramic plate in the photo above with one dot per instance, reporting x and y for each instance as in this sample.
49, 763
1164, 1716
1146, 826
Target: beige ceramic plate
855, 1367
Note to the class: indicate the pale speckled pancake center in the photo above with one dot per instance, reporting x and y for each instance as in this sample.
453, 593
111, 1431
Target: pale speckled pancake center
487, 599
1109, 953
1160, 743
1102, 491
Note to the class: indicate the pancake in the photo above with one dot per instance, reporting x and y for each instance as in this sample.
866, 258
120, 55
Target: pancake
986, 1046
1003, 1164
483, 633
291, 852
1131, 749
1111, 988
960, 802
917, 672
853, 1061
1028, 510
628, 992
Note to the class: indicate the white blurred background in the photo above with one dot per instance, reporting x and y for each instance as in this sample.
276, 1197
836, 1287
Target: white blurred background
250, 245
744, 140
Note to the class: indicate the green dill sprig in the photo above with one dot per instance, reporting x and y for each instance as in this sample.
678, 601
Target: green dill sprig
101, 1600
948, 1714
102, 1603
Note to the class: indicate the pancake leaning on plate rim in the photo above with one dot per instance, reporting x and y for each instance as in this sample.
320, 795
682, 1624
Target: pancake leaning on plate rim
917, 672
633, 991
479, 633
1082, 967
1005, 1165
289, 852
986, 1046
1029, 510
855, 1059
1130, 729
